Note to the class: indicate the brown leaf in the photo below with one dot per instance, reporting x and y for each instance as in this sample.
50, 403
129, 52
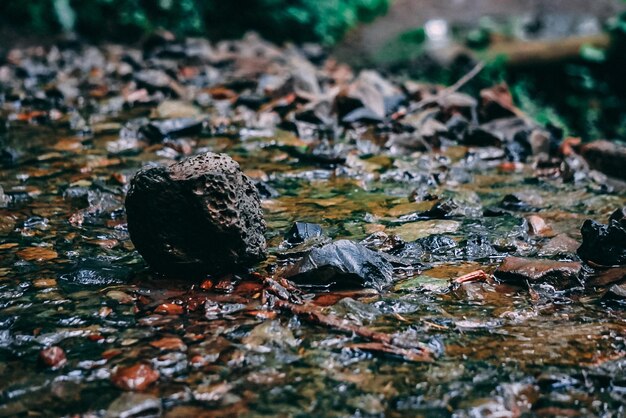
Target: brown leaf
538, 227
37, 254
44, 283
262, 314
169, 343
169, 309
474, 276
497, 102
53, 357
137, 377
206, 285
405, 353
609, 276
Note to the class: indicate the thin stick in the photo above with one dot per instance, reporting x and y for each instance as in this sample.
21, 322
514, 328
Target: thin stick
379, 341
451, 89
465, 79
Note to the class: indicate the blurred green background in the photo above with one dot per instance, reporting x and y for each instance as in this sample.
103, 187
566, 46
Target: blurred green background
324, 21
585, 94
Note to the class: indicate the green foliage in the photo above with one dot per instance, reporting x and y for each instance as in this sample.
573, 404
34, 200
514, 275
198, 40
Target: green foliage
300, 20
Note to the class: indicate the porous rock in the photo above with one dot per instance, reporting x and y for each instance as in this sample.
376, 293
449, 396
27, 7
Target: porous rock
604, 244
200, 215
342, 264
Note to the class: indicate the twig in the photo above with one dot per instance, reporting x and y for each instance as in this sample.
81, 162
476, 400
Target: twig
451, 89
286, 298
313, 314
379, 341
463, 80
474, 276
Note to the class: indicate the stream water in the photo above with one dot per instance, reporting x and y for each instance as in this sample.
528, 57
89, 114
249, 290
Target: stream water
70, 277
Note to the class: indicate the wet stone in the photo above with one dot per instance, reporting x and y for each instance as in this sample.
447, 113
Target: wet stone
607, 157
522, 270
537, 226
303, 231
342, 264
131, 405
521, 201
498, 132
157, 131
604, 244
222, 226
559, 245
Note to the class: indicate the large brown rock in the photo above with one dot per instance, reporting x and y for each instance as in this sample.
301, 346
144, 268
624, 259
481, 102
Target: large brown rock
201, 215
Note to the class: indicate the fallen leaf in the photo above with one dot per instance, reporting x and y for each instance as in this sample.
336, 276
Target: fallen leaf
53, 357
474, 276
37, 254
169, 309
137, 377
169, 344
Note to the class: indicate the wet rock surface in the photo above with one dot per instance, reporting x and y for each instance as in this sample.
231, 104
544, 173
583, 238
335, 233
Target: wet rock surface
342, 264
302, 231
604, 244
521, 270
201, 215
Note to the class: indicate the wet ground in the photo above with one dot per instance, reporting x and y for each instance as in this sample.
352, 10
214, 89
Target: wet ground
140, 345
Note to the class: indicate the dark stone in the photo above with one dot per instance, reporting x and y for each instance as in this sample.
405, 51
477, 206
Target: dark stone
157, 131
607, 157
478, 247
201, 215
266, 191
302, 231
521, 270
441, 210
410, 253
77, 196
430, 248
342, 264
618, 215
522, 202
604, 244
493, 212
436, 243
251, 101
362, 115
298, 251
517, 151
10, 157
498, 132
457, 125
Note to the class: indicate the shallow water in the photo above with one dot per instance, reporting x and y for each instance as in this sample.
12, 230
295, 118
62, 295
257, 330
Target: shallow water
69, 277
